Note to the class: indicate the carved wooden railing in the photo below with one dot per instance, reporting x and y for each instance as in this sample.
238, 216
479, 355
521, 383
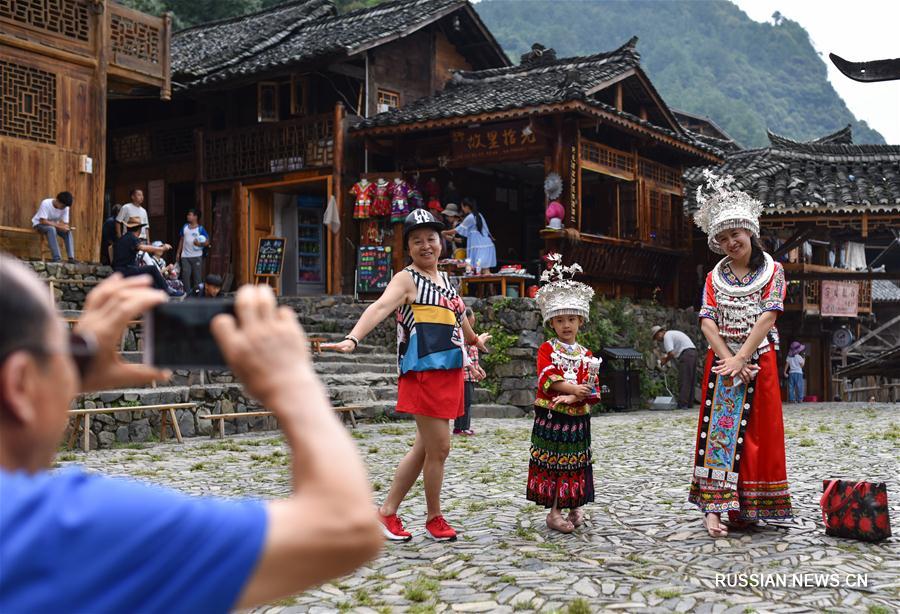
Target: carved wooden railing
806, 294
140, 46
607, 259
169, 140
269, 148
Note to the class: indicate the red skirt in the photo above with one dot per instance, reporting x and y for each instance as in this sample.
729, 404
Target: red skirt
762, 489
439, 393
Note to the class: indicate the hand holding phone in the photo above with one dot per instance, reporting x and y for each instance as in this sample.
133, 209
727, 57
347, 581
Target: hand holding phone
178, 334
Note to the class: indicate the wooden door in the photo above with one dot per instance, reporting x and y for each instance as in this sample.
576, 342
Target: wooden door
262, 223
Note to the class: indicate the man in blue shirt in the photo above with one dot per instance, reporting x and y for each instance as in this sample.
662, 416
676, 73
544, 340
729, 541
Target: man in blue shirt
83, 542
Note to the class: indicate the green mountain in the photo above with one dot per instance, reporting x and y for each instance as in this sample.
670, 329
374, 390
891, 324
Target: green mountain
706, 57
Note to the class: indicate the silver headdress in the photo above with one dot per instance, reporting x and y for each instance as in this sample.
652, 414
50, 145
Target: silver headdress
723, 207
562, 295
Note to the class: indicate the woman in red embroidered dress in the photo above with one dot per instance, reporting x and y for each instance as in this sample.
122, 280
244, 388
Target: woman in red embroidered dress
739, 464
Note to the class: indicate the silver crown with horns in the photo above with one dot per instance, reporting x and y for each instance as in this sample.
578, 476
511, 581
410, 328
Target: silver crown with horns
722, 207
562, 295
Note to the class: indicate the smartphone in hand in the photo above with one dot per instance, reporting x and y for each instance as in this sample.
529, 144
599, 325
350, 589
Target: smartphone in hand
177, 335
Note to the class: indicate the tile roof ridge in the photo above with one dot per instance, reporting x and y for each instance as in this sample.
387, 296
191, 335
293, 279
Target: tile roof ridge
271, 9
626, 52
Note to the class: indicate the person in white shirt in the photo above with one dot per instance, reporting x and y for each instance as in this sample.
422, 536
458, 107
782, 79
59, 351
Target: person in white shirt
132, 209
52, 220
191, 244
679, 347
793, 370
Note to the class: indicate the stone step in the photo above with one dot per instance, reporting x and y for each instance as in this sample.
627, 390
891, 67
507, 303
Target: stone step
482, 410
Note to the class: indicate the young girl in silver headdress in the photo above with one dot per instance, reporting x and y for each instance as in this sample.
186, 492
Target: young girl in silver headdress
559, 472
739, 465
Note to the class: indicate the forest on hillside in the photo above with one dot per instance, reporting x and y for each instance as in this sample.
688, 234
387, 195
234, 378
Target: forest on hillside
704, 57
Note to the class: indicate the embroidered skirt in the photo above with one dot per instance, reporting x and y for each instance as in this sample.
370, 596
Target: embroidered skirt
560, 465
757, 449
438, 393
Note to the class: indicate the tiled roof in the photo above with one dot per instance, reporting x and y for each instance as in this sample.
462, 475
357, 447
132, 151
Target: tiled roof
293, 33
885, 291
541, 79
828, 175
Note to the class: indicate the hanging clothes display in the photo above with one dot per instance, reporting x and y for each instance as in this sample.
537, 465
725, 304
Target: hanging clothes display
364, 191
399, 192
382, 204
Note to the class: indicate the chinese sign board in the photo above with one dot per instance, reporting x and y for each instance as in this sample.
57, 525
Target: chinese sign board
840, 299
495, 142
269, 256
373, 268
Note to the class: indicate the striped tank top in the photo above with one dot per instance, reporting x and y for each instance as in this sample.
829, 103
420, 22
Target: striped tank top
429, 332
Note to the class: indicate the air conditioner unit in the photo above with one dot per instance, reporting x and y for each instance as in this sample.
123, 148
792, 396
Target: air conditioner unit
383, 108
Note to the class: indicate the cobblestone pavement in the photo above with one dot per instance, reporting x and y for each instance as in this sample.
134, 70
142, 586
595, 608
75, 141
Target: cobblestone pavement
643, 547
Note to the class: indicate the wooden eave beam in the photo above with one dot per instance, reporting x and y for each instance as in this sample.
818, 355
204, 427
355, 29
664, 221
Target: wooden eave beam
843, 275
548, 109
798, 237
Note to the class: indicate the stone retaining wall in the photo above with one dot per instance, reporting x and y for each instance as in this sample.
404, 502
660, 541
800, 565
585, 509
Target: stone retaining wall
124, 426
70, 296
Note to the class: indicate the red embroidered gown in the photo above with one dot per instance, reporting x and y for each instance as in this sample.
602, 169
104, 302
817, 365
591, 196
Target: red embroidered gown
739, 464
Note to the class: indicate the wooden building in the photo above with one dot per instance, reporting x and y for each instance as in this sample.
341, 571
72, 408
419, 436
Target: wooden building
832, 215
599, 123
61, 63
256, 134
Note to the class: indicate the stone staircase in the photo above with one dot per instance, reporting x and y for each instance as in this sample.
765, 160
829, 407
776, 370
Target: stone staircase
366, 378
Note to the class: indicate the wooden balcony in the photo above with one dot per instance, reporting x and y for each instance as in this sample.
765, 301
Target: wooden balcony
805, 295
609, 259
139, 51
267, 149
165, 140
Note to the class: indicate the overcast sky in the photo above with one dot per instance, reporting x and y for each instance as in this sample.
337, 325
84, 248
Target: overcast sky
856, 30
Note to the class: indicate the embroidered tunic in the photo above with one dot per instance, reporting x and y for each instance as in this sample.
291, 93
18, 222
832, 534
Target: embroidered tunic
382, 204
558, 362
399, 192
364, 192
735, 304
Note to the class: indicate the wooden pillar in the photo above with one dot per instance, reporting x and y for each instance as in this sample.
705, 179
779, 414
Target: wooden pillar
241, 246
337, 190
619, 96
98, 152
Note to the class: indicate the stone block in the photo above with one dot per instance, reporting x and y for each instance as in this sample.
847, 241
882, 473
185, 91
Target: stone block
203, 426
110, 397
103, 419
514, 368
106, 439
531, 339
123, 416
186, 424
131, 396
520, 398
139, 430
89, 405
122, 434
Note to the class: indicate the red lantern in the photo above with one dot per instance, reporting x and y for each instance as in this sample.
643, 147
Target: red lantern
532, 291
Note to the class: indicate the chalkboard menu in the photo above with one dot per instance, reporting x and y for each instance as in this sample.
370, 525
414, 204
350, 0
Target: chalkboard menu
269, 256
373, 268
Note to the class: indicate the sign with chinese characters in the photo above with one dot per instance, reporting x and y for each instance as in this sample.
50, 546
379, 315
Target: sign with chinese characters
269, 256
495, 142
840, 299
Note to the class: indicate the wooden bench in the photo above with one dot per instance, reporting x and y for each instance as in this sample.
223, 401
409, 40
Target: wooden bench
25, 234
167, 415
345, 411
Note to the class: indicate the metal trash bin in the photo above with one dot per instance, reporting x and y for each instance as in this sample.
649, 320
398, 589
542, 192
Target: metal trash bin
624, 383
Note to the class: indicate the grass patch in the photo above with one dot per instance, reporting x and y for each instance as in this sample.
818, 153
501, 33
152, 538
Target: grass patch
422, 608
579, 606
878, 609
478, 506
508, 579
522, 604
373, 449
667, 593
806, 442
393, 430
198, 466
359, 435
421, 589
287, 601
66, 458
223, 446
448, 575
464, 557
130, 445
363, 598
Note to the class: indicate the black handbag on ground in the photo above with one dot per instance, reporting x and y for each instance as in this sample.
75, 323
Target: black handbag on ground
855, 510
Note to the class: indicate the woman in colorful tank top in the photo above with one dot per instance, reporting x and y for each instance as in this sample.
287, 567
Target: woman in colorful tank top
431, 331
739, 464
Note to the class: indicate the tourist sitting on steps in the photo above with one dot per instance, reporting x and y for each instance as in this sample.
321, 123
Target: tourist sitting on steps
152, 549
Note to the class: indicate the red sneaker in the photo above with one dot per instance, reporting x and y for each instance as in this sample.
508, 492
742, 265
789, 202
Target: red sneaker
438, 530
393, 529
